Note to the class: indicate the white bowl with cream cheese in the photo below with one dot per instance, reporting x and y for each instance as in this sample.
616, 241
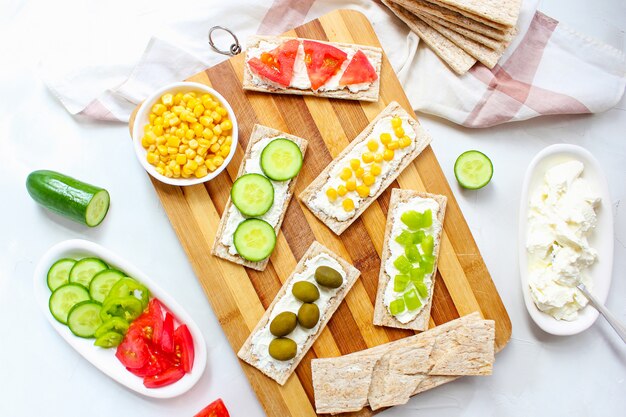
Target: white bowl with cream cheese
600, 239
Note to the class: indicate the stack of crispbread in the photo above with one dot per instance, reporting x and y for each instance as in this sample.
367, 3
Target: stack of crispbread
461, 32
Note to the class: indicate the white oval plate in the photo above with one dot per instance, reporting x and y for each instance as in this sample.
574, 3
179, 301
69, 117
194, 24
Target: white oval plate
104, 359
601, 239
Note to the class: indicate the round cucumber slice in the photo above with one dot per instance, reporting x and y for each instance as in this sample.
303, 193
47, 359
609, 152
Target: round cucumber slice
254, 239
59, 273
85, 270
281, 159
64, 298
102, 283
84, 319
252, 194
473, 170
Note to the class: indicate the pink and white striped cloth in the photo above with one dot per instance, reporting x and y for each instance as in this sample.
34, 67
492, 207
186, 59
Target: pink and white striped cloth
548, 68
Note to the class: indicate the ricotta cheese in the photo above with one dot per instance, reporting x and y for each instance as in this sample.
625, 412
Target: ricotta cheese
561, 217
335, 209
420, 205
261, 340
281, 189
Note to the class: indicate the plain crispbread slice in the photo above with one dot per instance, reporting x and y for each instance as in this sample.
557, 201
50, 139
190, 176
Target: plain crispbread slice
382, 317
464, 346
497, 13
219, 249
422, 140
281, 376
371, 94
468, 33
456, 58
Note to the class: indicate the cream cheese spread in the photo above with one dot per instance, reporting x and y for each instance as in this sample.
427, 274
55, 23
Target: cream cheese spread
561, 217
281, 190
262, 338
420, 205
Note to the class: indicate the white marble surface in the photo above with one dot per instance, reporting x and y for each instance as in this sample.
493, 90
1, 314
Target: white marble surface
536, 374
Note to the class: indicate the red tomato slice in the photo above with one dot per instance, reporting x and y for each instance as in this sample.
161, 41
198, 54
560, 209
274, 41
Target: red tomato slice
277, 64
359, 70
167, 377
167, 337
151, 322
215, 409
133, 351
183, 346
322, 62
157, 362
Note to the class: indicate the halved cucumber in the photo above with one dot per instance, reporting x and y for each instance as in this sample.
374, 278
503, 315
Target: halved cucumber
252, 194
59, 273
473, 170
254, 239
85, 270
64, 298
102, 283
84, 319
281, 159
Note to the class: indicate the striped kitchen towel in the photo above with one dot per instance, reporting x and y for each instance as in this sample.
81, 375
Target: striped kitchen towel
547, 69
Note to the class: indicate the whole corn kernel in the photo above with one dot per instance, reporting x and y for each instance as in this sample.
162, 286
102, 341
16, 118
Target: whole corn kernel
198, 110
172, 150
225, 150
201, 172
151, 117
178, 98
210, 165
152, 158
190, 153
331, 193
176, 171
216, 116
218, 161
207, 133
217, 130
367, 157
368, 179
190, 134
385, 138
378, 157
199, 160
396, 122
193, 144
375, 169
157, 130
158, 109
173, 141
202, 151
355, 164
351, 185
205, 121
181, 159
399, 131
226, 125
167, 99
162, 149
404, 141
363, 191
372, 145
342, 190
348, 204
192, 164
160, 170
215, 147
221, 110
359, 172
388, 155
393, 145
345, 174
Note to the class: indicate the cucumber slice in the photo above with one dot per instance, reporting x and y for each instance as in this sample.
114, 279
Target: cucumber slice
254, 239
102, 283
473, 170
281, 159
252, 194
59, 273
76, 200
84, 319
64, 298
85, 270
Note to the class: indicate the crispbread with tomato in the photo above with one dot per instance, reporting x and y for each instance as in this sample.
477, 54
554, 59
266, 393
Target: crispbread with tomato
310, 67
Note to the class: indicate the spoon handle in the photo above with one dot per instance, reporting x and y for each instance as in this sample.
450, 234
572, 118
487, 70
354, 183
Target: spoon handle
613, 321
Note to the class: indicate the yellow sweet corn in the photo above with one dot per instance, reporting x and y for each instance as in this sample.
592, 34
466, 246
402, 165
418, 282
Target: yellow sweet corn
351, 185
355, 164
218, 161
399, 131
378, 157
345, 174
393, 145
363, 191
404, 141
331, 193
342, 190
388, 155
396, 122
348, 204
367, 157
181, 159
372, 145
375, 169
368, 179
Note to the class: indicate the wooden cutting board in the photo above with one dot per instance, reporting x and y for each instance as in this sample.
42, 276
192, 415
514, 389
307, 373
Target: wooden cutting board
239, 296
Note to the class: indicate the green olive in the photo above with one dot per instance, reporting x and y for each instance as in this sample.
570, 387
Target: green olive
328, 277
283, 349
305, 291
283, 324
308, 315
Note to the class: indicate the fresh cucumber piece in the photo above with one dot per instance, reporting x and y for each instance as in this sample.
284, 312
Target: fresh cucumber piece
76, 200
84, 319
109, 340
128, 287
64, 298
281, 159
473, 170
102, 283
85, 270
252, 194
254, 239
59, 273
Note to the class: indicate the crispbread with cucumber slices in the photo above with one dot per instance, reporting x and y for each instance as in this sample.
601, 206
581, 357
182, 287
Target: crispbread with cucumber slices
309, 195
382, 316
219, 248
256, 354
370, 94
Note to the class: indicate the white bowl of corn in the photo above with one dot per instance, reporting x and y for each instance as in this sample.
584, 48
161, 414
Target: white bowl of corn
185, 133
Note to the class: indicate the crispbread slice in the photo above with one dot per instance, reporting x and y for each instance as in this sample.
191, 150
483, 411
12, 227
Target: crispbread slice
424, 6
464, 346
281, 376
472, 34
496, 13
422, 140
382, 316
219, 249
456, 58
371, 94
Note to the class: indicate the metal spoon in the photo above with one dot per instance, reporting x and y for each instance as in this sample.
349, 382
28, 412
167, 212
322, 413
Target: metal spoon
613, 321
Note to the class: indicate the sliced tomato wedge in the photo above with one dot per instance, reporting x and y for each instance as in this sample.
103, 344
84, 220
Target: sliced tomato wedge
157, 362
322, 62
183, 346
133, 351
359, 70
167, 336
151, 322
215, 409
167, 377
277, 64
